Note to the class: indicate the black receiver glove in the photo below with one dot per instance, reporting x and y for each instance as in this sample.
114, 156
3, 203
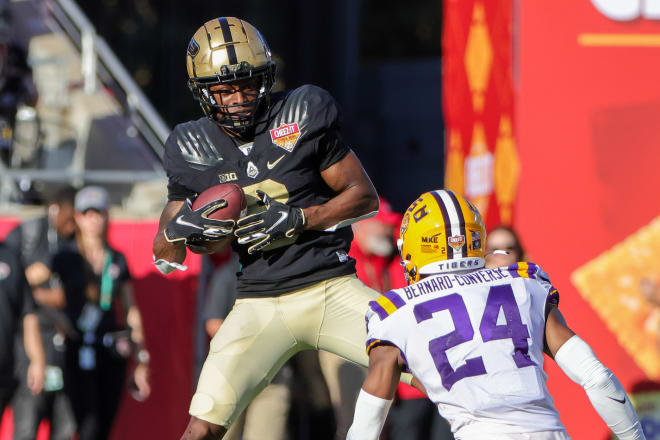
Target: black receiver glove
192, 226
276, 222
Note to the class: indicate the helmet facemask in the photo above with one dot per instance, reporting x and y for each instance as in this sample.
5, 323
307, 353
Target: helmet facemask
261, 80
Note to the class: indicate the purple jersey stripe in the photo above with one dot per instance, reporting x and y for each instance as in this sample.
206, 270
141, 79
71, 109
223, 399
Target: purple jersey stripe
381, 312
553, 296
513, 270
396, 299
531, 270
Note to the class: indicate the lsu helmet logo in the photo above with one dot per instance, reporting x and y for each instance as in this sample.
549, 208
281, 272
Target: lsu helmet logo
286, 136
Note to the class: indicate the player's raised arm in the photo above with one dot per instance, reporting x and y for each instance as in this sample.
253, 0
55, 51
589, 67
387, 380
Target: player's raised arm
377, 393
356, 197
576, 358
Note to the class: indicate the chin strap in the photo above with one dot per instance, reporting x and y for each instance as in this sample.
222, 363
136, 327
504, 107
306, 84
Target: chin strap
605, 392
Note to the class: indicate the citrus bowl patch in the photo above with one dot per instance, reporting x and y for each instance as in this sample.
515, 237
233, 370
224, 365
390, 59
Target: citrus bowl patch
286, 136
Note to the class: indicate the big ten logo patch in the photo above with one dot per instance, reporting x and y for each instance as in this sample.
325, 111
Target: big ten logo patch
227, 177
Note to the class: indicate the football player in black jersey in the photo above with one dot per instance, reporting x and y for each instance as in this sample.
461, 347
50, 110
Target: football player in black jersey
297, 287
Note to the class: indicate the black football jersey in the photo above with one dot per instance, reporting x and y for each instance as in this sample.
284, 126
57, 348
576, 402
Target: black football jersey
297, 139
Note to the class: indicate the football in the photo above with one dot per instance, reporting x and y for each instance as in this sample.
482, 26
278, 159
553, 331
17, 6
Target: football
231, 192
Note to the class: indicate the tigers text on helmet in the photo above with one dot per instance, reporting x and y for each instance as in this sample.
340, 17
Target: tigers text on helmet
441, 232
228, 50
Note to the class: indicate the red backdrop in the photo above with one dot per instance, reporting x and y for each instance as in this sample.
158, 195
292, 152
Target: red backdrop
580, 84
588, 113
167, 306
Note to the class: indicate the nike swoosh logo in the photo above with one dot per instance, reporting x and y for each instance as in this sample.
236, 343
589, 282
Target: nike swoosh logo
621, 401
271, 165
283, 216
181, 221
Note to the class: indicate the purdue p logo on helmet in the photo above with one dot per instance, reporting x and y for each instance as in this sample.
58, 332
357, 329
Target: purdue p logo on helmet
441, 231
228, 50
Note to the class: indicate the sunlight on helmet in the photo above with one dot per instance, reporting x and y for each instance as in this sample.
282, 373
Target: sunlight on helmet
441, 232
230, 51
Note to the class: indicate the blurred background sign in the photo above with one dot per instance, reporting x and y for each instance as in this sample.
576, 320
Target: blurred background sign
558, 105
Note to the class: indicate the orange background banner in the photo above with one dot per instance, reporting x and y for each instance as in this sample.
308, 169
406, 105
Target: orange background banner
481, 156
588, 129
578, 82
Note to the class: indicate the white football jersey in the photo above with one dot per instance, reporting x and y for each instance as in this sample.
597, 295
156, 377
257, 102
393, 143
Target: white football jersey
475, 341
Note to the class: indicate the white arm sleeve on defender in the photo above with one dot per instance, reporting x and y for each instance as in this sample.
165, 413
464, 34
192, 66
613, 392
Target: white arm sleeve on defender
369, 418
605, 392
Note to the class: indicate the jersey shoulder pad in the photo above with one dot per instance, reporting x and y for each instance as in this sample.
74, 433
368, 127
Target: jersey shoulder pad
311, 107
191, 142
386, 304
526, 269
380, 330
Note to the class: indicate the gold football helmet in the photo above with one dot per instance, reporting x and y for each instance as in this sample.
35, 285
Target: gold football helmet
228, 50
441, 232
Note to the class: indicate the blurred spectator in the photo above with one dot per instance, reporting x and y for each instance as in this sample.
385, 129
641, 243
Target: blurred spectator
313, 412
16, 85
503, 238
97, 287
16, 306
373, 249
38, 241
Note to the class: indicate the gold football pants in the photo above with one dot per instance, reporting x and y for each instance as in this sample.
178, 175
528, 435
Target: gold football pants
261, 334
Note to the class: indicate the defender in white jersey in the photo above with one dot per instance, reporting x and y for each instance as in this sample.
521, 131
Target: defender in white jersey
475, 337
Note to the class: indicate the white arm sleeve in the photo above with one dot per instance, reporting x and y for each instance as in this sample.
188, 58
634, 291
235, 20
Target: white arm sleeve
350, 221
166, 267
369, 418
604, 390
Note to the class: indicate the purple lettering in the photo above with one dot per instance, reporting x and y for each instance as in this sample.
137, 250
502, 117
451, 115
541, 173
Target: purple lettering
463, 333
